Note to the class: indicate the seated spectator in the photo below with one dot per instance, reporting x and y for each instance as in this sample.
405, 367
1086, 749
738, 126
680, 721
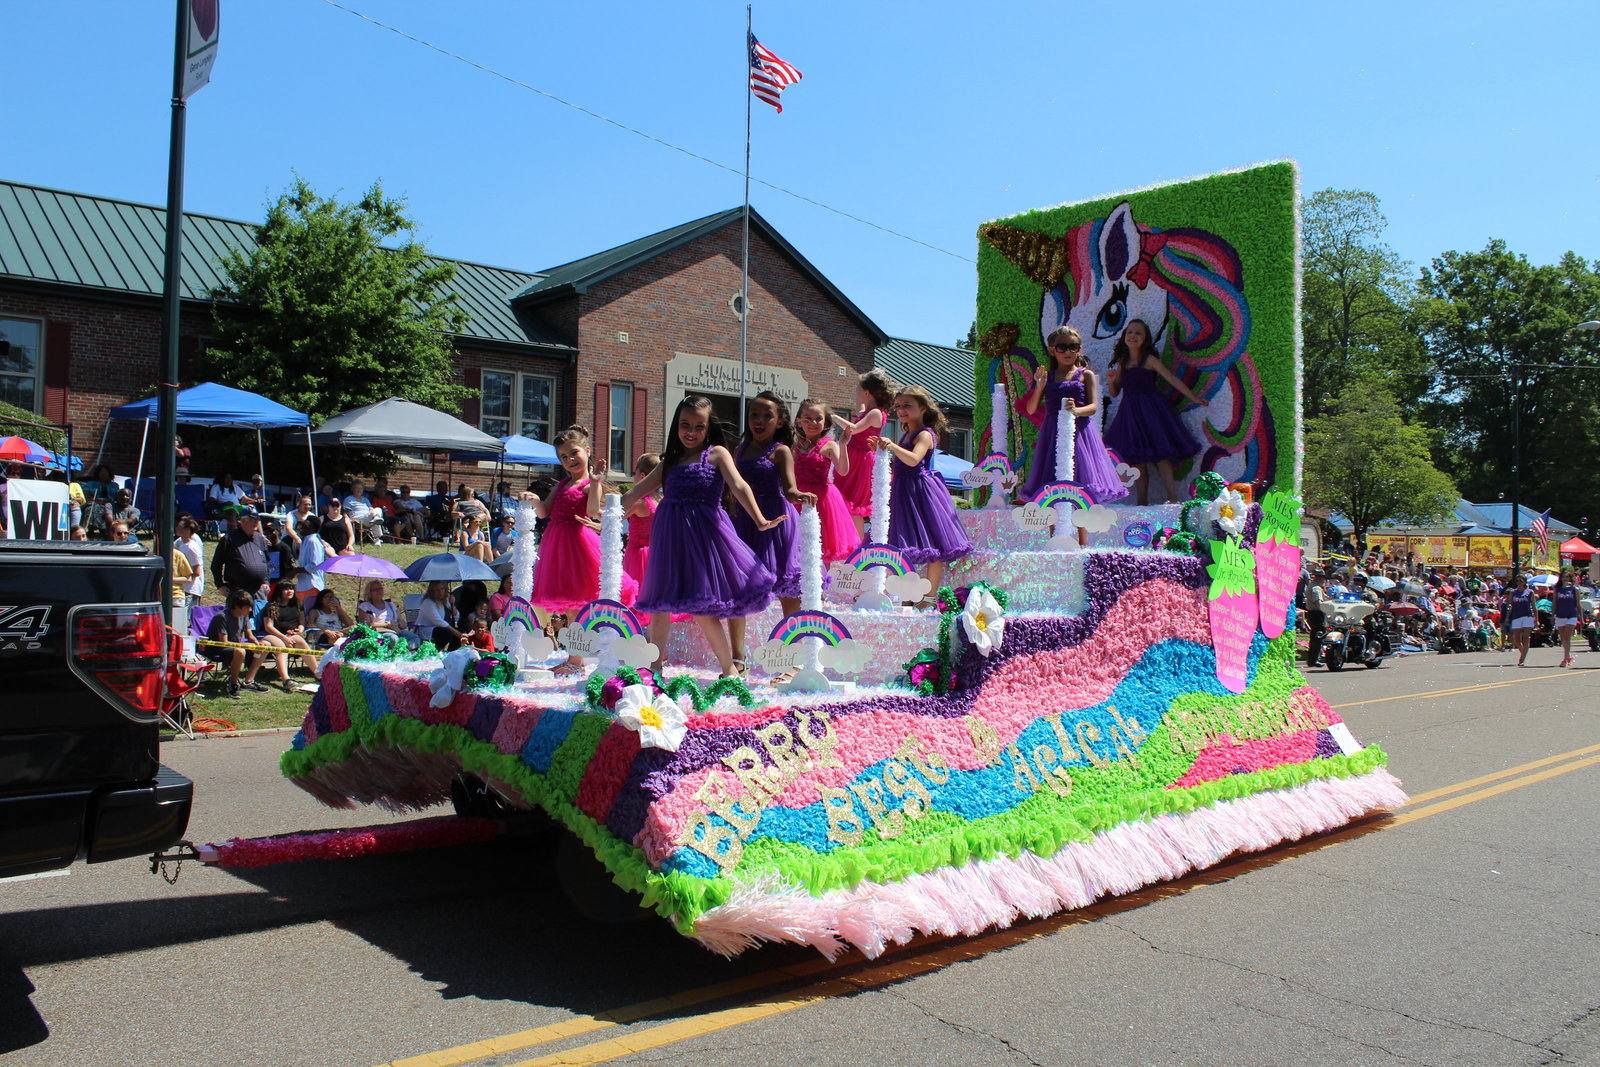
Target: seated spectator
409, 521
99, 489
504, 501
367, 516
499, 599
122, 509
233, 626
505, 538
472, 599
383, 614
472, 541
441, 511
283, 625
77, 533
122, 533
338, 533
468, 504
182, 456
223, 495
327, 620
479, 637
436, 619
282, 557
255, 494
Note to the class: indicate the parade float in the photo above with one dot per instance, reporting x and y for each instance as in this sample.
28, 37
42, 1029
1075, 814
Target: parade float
1067, 723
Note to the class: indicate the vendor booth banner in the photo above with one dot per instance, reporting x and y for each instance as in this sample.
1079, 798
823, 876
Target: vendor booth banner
1210, 265
37, 511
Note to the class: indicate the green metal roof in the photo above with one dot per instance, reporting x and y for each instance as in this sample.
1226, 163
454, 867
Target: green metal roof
946, 373
92, 242
579, 275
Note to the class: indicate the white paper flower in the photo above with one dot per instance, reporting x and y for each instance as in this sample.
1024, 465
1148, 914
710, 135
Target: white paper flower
1228, 511
656, 717
984, 621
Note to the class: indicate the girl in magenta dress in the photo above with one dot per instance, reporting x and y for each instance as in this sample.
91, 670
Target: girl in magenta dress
698, 565
766, 463
1146, 430
567, 575
1069, 380
923, 523
640, 518
855, 484
817, 458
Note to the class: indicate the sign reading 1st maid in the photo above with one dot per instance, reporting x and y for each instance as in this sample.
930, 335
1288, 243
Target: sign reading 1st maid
720, 377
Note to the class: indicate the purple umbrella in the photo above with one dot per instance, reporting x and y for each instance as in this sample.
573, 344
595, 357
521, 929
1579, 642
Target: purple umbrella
362, 566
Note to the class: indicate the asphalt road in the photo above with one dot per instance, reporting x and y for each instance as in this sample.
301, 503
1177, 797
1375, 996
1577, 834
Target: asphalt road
1465, 930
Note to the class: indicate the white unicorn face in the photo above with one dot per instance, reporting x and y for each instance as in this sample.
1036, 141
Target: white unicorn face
1106, 300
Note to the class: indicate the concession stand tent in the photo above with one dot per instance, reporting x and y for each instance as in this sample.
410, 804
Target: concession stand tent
1577, 549
211, 404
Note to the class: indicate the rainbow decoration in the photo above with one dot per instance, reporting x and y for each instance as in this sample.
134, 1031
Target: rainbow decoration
995, 463
520, 613
872, 554
818, 624
609, 615
1055, 493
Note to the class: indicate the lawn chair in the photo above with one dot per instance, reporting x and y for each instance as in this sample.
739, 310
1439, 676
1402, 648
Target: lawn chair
183, 677
411, 605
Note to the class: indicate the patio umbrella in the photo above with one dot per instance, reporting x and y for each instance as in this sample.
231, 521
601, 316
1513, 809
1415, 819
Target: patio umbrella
362, 566
1379, 583
22, 450
1540, 581
450, 567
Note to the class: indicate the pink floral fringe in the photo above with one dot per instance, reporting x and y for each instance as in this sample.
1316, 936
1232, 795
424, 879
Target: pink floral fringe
966, 900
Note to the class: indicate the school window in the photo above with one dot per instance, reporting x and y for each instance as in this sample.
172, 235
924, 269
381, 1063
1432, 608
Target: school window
621, 440
958, 442
20, 363
514, 402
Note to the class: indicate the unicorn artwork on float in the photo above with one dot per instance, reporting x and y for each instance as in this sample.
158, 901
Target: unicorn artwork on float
1187, 285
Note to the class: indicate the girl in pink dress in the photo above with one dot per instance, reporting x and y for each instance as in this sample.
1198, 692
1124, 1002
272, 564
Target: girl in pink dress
817, 459
876, 392
568, 573
640, 518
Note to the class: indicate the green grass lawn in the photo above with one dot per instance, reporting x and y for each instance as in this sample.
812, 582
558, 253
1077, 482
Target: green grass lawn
276, 708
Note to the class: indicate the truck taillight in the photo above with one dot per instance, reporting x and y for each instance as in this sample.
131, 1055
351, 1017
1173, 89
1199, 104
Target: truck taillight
120, 650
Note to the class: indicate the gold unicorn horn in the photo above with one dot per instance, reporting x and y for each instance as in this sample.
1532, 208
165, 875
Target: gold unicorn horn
1043, 259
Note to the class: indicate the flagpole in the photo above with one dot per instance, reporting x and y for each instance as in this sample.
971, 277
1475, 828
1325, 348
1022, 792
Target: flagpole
171, 281
744, 270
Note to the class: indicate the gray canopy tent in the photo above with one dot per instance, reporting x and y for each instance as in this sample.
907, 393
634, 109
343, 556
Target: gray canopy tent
401, 426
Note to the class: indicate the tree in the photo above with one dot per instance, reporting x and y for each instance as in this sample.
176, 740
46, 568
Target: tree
1498, 326
1355, 296
321, 316
970, 341
1364, 461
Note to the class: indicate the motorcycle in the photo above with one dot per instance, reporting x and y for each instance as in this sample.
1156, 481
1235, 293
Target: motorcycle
1591, 623
1357, 633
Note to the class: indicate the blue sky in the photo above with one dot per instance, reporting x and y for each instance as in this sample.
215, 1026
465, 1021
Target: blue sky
1470, 120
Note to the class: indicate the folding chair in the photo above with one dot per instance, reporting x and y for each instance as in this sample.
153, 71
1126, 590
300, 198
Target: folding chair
184, 676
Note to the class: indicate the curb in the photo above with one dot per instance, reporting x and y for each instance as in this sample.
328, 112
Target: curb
262, 732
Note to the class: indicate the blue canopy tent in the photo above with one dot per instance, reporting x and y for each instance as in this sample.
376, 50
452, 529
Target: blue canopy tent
523, 450
211, 404
950, 469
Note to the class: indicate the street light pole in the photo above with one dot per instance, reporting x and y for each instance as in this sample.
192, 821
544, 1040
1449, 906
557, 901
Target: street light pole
1516, 470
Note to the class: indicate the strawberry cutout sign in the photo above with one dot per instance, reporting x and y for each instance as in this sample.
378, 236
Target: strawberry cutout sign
1233, 610
1277, 560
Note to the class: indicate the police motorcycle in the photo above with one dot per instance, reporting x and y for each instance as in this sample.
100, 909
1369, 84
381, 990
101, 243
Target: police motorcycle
1357, 632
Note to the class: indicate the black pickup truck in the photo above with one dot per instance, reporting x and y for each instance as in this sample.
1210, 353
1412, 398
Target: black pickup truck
83, 652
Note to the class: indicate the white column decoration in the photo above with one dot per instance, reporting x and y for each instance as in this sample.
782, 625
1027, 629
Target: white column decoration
611, 547
878, 528
1066, 463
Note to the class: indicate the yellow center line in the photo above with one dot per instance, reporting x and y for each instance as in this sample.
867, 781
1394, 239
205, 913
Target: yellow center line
1458, 691
896, 968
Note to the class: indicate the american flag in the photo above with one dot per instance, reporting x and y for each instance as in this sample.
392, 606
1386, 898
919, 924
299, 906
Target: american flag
1541, 531
769, 75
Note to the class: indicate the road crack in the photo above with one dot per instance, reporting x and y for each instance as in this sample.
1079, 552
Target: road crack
962, 1028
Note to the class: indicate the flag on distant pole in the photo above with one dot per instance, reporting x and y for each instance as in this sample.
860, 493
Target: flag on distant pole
1541, 531
769, 75
200, 46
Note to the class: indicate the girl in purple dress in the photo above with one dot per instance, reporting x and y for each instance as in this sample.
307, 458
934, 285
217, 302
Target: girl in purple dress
922, 518
1067, 379
1146, 430
698, 565
766, 463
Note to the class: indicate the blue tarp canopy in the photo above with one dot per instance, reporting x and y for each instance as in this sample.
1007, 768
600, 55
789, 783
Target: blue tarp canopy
950, 468
210, 404
519, 449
